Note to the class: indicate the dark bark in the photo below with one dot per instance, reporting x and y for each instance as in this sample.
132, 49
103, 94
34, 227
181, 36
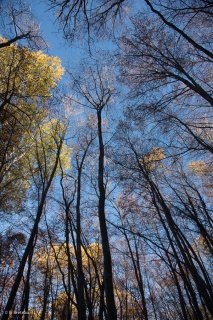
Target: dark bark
108, 278
15, 39
26, 294
138, 275
46, 293
69, 262
181, 32
30, 243
202, 286
80, 279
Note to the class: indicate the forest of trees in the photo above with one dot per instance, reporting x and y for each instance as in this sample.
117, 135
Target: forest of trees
106, 168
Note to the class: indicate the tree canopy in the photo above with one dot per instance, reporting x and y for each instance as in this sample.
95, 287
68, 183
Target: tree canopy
106, 160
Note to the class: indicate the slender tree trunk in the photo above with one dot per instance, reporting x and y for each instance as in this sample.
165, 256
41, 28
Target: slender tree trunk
26, 295
181, 32
69, 267
30, 243
108, 278
138, 275
80, 279
19, 275
46, 293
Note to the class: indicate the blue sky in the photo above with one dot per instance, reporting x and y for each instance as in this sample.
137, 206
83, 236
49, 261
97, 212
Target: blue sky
70, 53
57, 46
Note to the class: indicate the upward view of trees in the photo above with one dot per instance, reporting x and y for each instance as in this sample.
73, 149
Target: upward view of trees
106, 166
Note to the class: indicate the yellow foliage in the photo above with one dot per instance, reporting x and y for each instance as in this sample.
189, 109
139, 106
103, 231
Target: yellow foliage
27, 80
152, 158
38, 153
58, 252
27, 75
200, 167
48, 138
94, 251
62, 300
205, 171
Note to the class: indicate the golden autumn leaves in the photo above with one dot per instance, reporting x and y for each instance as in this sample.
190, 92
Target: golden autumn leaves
29, 133
27, 76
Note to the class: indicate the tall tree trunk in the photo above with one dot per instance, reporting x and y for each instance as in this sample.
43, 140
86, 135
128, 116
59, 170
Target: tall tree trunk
46, 293
80, 279
30, 243
26, 294
108, 278
69, 259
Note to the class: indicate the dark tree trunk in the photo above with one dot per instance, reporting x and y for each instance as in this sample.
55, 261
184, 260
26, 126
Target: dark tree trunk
26, 294
181, 32
108, 278
46, 293
80, 279
30, 243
